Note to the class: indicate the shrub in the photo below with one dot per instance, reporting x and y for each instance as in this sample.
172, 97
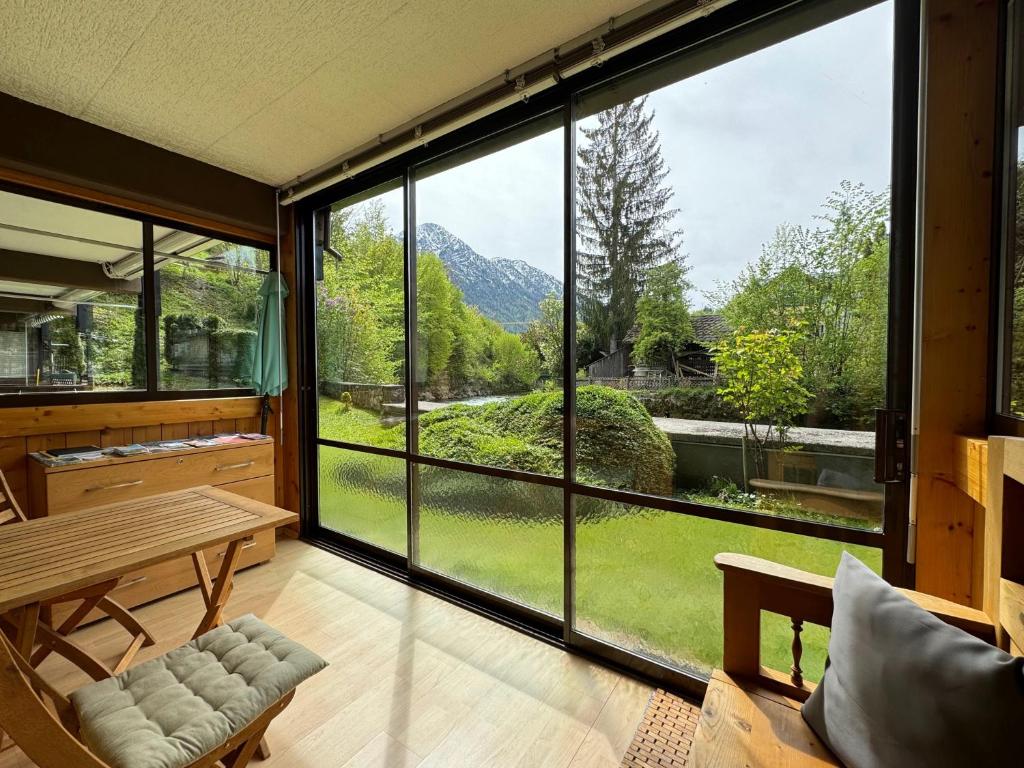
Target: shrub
702, 403
617, 444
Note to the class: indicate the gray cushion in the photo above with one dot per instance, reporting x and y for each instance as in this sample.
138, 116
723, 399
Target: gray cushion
903, 688
167, 712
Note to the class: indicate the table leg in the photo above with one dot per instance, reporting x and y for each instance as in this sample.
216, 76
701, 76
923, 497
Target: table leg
216, 594
28, 625
94, 597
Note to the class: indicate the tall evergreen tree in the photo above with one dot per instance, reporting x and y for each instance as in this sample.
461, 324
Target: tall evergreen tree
624, 219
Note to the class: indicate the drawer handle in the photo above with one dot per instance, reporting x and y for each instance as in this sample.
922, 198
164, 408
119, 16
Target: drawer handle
127, 484
225, 467
249, 542
131, 582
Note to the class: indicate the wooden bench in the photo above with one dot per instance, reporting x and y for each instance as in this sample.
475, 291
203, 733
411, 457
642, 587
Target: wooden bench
751, 714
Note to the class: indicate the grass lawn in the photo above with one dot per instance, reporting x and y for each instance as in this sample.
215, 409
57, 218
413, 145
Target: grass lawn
645, 580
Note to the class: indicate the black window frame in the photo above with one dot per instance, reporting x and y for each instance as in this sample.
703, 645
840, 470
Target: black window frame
768, 20
1009, 104
152, 391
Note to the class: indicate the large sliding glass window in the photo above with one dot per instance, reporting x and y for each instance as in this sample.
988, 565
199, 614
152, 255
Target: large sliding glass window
360, 362
1011, 360
584, 425
732, 273
489, 270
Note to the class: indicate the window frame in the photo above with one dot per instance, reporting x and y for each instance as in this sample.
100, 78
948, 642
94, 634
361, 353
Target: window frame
1011, 52
152, 391
737, 20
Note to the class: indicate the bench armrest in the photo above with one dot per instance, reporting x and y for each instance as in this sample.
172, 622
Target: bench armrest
753, 585
771, 574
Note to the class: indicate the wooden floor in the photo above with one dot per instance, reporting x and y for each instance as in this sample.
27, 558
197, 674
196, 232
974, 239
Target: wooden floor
413, 681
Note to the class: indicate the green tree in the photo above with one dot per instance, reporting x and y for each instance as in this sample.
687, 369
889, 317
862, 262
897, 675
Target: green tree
762, 378
830, 281
438, 304
663, 317
624, 222
516, 366
545, 336
360, 310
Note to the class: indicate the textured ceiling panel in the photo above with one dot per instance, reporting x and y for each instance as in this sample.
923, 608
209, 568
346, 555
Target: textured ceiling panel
270, 88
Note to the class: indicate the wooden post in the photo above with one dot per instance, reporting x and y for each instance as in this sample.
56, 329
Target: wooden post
959, 82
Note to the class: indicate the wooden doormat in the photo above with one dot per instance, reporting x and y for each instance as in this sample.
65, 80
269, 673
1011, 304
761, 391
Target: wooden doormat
665, 735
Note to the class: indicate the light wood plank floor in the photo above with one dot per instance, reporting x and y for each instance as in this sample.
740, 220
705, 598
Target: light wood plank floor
413, 681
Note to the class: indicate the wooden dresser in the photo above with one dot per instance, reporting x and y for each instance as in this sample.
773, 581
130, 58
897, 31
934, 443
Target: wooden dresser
245, 468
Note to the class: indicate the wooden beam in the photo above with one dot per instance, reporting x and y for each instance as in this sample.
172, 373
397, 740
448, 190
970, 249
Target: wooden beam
37, 269
970, 467
29, 306
45, 420
287, 470
960, 83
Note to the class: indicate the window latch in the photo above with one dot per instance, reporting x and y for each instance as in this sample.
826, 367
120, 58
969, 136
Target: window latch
891, 445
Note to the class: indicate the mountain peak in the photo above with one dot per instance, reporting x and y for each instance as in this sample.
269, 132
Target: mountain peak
506, 290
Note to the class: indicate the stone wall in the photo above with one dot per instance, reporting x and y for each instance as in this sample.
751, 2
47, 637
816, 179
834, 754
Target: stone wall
372, 397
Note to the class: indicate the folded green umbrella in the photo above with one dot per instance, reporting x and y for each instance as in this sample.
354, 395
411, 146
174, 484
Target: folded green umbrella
269, 373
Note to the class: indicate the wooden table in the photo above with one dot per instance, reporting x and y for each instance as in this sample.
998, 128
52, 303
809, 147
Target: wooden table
87, 552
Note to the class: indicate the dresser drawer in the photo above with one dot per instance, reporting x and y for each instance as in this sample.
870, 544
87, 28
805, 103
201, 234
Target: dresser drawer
173, 576
111, 483
257, 489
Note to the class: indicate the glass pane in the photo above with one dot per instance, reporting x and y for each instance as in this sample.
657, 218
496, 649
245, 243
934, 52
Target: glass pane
363, 495
71, 306
360, 322
732, 275
1014, 238
208, 298
489, 302
646, 581
502, 536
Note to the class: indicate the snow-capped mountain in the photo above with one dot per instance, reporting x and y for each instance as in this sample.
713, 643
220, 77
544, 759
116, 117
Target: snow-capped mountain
506, 290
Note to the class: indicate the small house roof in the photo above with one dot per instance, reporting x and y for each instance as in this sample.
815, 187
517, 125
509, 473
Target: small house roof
709, 329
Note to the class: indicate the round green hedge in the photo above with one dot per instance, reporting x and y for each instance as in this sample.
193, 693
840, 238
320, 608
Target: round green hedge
617, 444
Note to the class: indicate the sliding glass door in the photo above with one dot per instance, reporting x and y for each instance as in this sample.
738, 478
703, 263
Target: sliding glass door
561, 364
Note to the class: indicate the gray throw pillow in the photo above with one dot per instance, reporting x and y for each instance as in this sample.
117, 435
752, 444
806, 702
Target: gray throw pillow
903, 688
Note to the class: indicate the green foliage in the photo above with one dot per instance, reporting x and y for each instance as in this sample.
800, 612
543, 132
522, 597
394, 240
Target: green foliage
438, 315
617, 442
702, 403
762, 378
618, 445
360, 309
360, 319
1016, 363
831, 281
545, 336
64, 332
663, 317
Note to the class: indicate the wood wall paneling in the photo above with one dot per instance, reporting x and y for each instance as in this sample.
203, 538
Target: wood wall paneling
959, 81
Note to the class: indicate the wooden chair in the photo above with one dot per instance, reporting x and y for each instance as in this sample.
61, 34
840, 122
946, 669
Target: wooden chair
52, 638
50, 738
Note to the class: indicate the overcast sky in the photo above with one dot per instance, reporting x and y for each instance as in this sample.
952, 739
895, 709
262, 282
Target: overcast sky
751, 144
